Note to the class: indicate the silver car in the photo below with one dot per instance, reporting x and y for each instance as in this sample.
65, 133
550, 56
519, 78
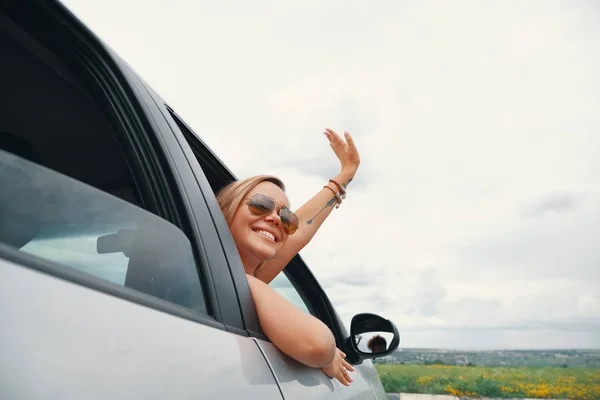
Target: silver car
119, 278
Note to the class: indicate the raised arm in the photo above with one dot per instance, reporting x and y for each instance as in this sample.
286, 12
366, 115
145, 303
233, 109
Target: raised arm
314, 212
294, 332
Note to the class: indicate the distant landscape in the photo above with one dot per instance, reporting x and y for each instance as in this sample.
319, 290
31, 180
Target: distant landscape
580, 358
545, 374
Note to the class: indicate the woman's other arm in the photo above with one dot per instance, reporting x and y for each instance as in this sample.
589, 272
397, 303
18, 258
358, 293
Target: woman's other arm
314, 212
294, 332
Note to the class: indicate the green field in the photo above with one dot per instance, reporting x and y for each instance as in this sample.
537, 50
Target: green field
543, 383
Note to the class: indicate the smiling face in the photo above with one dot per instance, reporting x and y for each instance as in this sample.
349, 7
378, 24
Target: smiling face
259, 238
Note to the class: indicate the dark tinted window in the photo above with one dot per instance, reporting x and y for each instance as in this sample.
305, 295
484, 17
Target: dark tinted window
63, 220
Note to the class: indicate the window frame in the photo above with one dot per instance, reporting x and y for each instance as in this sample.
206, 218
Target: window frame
196, 150
155, 160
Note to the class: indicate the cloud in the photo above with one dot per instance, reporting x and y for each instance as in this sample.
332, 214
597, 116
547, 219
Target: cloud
553, 203
561, 246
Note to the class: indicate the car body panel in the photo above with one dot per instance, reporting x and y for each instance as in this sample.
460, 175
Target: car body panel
300, 382
376, 384
63, 340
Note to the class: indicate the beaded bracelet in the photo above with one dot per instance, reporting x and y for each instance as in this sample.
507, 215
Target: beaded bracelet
342, 190
327, 187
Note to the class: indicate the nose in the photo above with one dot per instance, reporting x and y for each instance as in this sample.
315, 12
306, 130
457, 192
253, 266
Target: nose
273, 216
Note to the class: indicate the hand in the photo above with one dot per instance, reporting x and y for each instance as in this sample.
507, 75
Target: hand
339, 368
345, 151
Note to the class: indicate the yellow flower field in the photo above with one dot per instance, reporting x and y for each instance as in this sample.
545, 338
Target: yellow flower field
543, 383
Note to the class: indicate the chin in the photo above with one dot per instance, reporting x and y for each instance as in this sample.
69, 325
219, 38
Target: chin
266, 252
268, 255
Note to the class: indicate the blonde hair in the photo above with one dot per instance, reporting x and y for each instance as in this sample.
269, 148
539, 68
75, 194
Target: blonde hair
231, 196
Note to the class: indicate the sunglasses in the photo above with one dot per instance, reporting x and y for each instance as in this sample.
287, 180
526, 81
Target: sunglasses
260, 205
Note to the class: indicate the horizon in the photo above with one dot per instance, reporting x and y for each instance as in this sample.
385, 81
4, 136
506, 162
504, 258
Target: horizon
400, 348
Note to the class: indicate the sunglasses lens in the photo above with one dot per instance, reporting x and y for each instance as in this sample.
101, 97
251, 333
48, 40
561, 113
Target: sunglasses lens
289, 221
260, 205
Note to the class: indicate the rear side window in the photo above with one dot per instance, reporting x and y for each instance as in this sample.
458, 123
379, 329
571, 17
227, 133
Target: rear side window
282, 285
60, 219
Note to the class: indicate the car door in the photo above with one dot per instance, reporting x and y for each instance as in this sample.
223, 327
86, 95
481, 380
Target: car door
102, 297
89, 318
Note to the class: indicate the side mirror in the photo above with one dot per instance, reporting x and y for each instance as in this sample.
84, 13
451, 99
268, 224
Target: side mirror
371, 336
120, 242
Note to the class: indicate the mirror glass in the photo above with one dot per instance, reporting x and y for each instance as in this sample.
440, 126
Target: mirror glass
373, 342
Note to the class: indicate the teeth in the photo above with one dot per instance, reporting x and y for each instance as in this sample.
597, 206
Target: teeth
266, 234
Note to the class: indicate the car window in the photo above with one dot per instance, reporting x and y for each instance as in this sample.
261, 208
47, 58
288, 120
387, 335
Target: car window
60, 219
75, 246
282, 285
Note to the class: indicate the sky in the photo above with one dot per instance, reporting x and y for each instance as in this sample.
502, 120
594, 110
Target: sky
474, 218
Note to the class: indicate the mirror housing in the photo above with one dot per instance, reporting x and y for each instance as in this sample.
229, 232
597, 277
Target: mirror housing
371, 336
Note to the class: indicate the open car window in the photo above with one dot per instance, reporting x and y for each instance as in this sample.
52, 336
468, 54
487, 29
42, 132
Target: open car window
282, 285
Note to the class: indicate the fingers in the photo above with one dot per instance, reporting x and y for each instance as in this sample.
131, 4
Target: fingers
344, 378
348, 366
350, 141
337, 144
334, 138
345, 363
342, 369
332, 133
348, 377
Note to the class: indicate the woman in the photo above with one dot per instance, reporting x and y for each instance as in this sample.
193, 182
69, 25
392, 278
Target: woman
268, 235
